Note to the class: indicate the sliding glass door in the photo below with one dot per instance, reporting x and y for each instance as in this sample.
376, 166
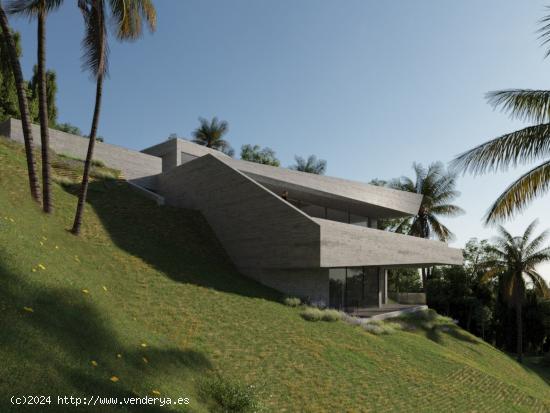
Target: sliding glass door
356, 287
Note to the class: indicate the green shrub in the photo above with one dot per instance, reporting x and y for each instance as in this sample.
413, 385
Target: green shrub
378, 327
292, 301
316, 314
312, 314
104, 174
228, 396
98, 163
331, 315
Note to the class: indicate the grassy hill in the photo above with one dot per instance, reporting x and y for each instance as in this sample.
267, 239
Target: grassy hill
145, 302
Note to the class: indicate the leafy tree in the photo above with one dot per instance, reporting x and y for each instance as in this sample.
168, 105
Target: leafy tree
39, 9
8, 91
51, 94
9, 51
516, 258
265, 156
517, 148
311, 165
69, 128
210, 134
126, 18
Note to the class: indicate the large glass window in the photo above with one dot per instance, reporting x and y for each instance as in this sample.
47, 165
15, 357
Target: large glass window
354, 287
351, 288
337, 287
371, 286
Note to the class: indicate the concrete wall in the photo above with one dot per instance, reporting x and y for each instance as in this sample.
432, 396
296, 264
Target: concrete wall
344, 245
258, 229
138, 167
310, 284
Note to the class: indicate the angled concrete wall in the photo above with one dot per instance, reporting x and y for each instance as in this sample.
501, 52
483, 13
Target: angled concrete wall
257, 228
138, 167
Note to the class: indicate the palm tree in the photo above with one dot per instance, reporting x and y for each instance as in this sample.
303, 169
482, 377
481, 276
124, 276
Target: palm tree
126, 15
311, 165
515, 260
517, 148
40, 10
210, 134
23, 104
438, 189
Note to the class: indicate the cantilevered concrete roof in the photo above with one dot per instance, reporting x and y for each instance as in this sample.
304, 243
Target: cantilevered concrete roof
343, 194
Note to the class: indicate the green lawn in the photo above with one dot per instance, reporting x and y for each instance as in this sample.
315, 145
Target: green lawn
148, 296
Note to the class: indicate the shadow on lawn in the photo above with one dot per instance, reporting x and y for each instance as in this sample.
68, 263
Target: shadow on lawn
50, 350
176, 241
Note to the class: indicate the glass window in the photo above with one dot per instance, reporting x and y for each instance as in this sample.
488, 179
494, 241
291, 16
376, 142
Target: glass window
314, 211
354, 288
371, 287
337, 287
337, 215
358, 220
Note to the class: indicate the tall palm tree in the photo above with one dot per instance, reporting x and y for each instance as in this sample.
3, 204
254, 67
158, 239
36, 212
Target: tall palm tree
210, 134
517, 148
40, 10
23, 104
437, 186
311, 165
126, 16
515, 260
438, 189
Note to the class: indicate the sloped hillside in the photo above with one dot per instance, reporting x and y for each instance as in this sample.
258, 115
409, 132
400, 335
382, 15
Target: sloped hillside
147, 303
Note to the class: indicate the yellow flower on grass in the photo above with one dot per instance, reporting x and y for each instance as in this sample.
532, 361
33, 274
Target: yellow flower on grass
44, 238
41, 243
104, 288
28, 309
41, 267
93, 363
56, 247
114, 379
119, 356
155, 392
145, 360
12, 220
34, 270
143, 345
85, 291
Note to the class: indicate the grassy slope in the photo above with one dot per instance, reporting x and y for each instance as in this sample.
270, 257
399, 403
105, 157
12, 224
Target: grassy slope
144, 274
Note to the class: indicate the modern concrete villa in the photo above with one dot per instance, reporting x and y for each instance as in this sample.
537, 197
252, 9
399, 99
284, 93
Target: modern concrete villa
305, 235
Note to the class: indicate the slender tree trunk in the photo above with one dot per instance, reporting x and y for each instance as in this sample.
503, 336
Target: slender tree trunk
88, 163
519, 323
23, 105
43, 112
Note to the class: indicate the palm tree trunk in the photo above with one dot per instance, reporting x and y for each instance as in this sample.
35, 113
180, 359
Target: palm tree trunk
43, 112
519, 324
23, 105
88, 163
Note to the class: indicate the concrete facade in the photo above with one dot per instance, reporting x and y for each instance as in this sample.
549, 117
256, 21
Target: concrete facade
137, 167
290, 243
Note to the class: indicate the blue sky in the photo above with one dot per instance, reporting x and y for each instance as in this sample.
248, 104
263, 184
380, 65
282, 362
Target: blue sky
370, 86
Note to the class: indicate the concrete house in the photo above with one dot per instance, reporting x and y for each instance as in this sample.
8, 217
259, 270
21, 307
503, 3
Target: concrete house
305, 235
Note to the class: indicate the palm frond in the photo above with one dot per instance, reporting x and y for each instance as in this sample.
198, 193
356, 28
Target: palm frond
128, 16
31, 8
523, 104
94, 45
447, 210
539, 283
512, 149
520, 193
544, 32
441, 231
